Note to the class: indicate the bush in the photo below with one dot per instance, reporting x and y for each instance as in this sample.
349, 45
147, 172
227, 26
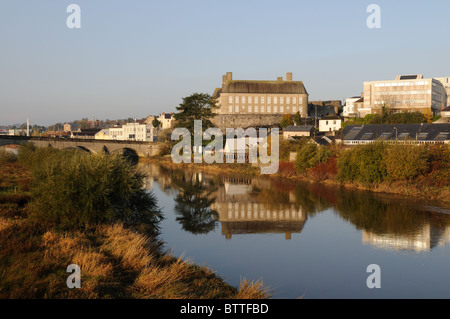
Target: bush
405, 162
310, 155
324, 171
7, 157
363, 164
75, 190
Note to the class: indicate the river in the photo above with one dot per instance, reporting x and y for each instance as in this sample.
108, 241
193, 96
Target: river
304, 240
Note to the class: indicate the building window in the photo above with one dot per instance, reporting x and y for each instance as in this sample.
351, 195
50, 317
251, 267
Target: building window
249, 109
262, 108
300, 100
256, 108
294, 100
288, 100
275, 109
294, 109
230, 100
281, 100
236, 99
268, 109
250, 99
236, 109
269, 100
262, 99
275, 100
243, 99
281, 109
256, 99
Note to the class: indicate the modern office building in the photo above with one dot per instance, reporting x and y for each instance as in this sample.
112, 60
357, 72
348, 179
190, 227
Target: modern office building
407, 93
261, 97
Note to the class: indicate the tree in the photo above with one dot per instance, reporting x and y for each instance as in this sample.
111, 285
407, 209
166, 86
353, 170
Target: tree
297, 118
286, 120
156, 123
84, 124
198, 106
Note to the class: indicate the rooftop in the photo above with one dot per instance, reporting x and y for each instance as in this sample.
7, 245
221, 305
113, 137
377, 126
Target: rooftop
299, 128
419, 132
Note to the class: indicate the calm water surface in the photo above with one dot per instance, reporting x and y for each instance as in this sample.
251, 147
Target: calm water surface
304, 240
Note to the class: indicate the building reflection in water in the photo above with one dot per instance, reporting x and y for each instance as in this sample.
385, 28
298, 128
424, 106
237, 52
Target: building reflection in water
424, 239
242, 212
261, 205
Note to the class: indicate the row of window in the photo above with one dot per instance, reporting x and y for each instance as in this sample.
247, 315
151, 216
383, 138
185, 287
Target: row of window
256, 100
401, 83
403, 92
261, 109
402, 102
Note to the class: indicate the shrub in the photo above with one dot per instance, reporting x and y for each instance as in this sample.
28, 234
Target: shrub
363, 164
405, 162
74, 190
324, 171
310, 155
7, 157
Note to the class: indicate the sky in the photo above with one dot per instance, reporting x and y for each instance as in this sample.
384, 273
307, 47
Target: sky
134, 58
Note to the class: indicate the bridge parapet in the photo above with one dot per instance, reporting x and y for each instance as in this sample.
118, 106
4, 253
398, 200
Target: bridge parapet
142, 149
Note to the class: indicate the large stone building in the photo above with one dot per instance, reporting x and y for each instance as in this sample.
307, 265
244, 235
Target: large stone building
405, 94
244, 97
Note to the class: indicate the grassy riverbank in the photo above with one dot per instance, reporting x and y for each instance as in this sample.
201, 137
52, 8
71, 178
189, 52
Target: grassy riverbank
118, 258
421, 172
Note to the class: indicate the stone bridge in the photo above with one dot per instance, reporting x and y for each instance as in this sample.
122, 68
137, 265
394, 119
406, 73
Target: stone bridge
141, 149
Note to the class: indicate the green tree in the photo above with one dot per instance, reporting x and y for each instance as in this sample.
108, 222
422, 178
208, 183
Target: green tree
156, 123
198, 106
286, 121
297, 118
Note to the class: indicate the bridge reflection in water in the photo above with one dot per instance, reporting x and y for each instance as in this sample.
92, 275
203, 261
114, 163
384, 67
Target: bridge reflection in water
262, 205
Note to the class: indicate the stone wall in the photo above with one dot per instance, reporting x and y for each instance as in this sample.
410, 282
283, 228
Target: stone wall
224, 121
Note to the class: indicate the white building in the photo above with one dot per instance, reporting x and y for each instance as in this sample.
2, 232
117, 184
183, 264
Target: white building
167, 120
128, 132
330, 124
407, 93
138, 132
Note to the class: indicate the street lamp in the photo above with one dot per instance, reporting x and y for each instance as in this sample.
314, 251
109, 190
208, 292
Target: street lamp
395, 133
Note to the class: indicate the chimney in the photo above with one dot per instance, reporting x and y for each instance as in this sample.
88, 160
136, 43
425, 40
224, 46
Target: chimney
224, 80
289, 76
280, 79
229, 76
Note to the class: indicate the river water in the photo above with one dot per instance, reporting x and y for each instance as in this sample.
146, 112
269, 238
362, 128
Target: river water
305, 240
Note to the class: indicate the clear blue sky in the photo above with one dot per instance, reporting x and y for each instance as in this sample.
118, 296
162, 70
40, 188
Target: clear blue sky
134, 58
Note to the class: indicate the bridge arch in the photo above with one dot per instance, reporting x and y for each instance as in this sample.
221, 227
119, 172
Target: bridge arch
129, 153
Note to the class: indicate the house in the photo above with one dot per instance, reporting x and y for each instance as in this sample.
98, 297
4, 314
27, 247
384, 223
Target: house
167, 120
403, 133
300, 130
67, 127
330, 124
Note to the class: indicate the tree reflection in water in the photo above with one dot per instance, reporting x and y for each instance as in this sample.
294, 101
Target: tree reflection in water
193, 204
